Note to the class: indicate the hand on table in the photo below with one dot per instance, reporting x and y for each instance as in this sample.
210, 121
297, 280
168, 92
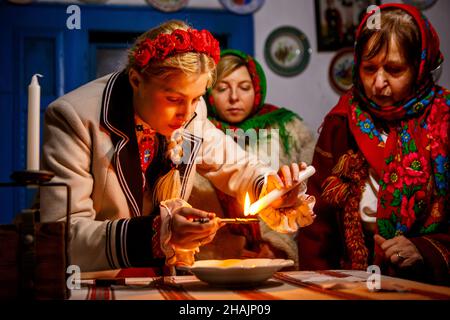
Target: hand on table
400, 251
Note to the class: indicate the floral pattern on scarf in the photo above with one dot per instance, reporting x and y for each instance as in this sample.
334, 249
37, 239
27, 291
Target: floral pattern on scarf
412, 166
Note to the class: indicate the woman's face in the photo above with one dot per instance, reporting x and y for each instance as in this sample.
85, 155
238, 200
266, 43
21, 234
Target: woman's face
234, 96
166, 104
387, 78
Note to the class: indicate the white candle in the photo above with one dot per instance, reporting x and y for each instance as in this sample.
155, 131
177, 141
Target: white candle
34, 109
275, 194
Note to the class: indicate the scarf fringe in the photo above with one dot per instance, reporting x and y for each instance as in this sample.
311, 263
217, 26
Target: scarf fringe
350, 167
335, 190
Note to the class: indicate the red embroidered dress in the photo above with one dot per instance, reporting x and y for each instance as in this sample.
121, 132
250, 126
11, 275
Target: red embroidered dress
146, 140
145, 136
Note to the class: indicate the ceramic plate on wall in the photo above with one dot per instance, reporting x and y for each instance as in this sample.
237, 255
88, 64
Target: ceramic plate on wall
340, 71
242, 6
421, 4
287, 51
168, 5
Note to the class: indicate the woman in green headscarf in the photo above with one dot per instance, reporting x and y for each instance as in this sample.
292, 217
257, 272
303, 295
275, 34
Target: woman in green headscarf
237, 101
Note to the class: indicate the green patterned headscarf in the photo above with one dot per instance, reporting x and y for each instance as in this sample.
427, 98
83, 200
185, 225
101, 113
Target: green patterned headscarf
263, 115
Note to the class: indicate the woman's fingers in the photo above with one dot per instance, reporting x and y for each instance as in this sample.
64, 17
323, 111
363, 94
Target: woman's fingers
286, 176
290, 174
295, 169
184, 221
193, 213
303, 165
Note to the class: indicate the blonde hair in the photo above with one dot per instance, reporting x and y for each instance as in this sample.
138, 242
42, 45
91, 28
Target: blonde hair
227, 65
190, 63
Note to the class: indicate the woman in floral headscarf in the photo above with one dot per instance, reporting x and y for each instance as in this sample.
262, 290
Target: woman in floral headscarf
382, 158
236, 105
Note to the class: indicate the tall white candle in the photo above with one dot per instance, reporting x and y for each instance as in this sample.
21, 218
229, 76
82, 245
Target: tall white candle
275, 194
33, 134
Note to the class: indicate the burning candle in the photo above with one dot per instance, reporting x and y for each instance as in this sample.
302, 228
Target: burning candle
34, 109
246, 204
276, 194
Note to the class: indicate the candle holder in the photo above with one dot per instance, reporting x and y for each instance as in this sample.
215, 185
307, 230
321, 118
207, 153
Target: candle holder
30, 177
38, 251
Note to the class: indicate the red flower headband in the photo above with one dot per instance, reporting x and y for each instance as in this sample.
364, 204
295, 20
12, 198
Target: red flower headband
179, 41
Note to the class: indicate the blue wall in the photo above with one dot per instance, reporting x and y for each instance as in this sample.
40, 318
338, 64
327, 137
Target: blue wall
35, 39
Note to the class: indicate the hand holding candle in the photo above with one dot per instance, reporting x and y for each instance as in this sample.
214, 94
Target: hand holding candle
276, 194
33, 134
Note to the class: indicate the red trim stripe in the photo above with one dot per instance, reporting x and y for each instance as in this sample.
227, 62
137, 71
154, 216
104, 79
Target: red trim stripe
100, 293
106, 293
170, 290
92, 292
256, 295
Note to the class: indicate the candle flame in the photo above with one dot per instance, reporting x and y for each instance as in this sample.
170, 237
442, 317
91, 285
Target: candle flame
246, 204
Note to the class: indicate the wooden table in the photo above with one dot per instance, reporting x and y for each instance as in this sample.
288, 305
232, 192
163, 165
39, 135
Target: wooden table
291, 285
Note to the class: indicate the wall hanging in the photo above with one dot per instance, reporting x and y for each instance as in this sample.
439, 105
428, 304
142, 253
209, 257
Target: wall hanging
287, 51
337, 21
340, 70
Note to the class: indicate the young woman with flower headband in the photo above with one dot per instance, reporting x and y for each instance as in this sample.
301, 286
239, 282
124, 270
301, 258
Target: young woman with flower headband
237, 101
129, 145
383, 158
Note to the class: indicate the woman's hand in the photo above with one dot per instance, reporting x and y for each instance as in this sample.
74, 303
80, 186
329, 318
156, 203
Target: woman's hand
400, 251
190, 235
287, 176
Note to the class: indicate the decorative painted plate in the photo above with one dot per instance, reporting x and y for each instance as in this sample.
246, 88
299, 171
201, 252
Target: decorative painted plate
287, 51
168, 5
242, 6
421, 4
340, 71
